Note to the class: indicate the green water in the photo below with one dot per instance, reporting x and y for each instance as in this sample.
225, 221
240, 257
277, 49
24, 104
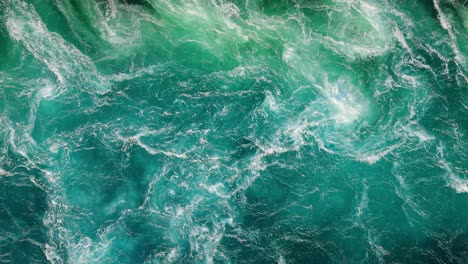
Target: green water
233, 131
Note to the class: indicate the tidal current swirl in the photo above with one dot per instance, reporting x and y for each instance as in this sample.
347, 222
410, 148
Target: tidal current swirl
233, 131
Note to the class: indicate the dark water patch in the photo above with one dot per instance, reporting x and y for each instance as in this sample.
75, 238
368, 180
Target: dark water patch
24, 234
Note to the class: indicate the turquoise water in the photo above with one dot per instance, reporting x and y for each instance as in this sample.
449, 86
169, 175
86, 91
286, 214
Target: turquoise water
233, 131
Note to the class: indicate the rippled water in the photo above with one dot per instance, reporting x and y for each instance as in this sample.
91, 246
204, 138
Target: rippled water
233, 131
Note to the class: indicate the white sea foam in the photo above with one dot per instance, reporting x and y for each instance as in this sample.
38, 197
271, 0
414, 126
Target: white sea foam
65, 61
136, 139
373, 158
217, 189
5, 173
399, 36
455, 181
445, 23
460, 185
281, 260
354, 15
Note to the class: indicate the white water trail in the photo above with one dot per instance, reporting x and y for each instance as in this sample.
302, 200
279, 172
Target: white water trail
66, 62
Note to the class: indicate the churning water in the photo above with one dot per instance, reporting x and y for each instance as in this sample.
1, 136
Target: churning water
233, 131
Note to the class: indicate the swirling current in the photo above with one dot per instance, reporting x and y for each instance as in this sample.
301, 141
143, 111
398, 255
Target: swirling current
233, 131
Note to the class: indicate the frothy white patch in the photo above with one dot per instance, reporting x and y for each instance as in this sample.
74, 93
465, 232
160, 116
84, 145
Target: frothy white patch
340, 95
136, 139
399, 36
281, 260
51, 254
217, 189
287, 53
375, 157
445, 23
65, 61
270, 103
5, 173
459, 184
